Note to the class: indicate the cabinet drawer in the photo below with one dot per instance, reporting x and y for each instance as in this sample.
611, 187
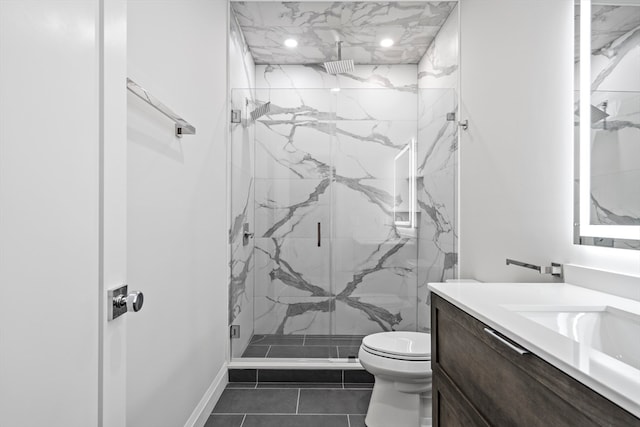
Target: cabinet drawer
508, 388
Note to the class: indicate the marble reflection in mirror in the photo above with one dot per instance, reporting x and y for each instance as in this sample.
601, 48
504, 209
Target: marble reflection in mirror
610, 193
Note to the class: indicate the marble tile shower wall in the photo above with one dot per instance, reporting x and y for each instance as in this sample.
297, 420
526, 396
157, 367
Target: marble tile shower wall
327, 157
241, 296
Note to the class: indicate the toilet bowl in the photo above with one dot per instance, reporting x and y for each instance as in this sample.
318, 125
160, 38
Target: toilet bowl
401, 365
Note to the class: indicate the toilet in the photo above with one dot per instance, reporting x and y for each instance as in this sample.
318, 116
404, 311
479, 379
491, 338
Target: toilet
401, 365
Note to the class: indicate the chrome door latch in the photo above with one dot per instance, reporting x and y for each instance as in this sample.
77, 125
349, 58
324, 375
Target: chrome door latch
120, 301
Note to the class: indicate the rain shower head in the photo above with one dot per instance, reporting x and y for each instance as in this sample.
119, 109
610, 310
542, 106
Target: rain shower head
261, 110
340, 66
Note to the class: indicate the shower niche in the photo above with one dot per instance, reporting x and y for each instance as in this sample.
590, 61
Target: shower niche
346, 182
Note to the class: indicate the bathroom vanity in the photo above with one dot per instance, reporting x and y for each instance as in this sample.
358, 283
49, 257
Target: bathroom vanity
533, 354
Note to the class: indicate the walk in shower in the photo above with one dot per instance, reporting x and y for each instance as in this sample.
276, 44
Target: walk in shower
342, 193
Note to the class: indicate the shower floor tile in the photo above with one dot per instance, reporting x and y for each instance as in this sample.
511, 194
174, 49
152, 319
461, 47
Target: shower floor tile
341, 340
347, 352
256, 351
277, 339
303, 346
302, 351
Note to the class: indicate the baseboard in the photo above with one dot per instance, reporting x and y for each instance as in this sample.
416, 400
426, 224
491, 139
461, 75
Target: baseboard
204, 408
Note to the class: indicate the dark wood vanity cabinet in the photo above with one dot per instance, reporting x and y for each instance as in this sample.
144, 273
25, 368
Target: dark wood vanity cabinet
479, 380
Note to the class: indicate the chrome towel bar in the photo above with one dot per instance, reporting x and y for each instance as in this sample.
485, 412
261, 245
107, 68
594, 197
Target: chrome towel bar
182, 126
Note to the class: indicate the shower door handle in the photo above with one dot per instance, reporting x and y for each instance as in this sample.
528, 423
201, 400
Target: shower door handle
319, 234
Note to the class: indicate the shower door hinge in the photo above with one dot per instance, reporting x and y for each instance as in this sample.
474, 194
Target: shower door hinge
236, 116
234, 331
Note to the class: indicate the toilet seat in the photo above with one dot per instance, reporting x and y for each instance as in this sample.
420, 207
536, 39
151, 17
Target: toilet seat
399, 345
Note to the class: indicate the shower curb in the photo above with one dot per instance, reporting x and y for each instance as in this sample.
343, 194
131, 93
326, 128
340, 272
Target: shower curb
301, 375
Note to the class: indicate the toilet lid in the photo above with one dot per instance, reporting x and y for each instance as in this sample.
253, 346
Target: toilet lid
400, 345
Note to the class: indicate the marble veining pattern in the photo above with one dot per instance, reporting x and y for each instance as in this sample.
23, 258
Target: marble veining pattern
321, 300
327, 157
608, 23
615, 139
437, 167
360, 25
400, 78
438, 68
295, 304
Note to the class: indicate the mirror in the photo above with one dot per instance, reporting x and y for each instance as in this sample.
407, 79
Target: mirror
607, 131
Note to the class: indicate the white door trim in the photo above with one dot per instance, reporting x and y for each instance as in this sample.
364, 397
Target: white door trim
112, 48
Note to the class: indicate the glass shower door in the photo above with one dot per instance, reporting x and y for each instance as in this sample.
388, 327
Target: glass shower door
350, 197
436, 192
291, 297
293, 301
241, 197
374, 215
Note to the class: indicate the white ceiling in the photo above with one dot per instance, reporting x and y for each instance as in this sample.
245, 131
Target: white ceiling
317, 26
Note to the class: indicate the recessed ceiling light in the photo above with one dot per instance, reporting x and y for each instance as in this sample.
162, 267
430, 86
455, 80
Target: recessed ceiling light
291, 42
335, 89
386, 42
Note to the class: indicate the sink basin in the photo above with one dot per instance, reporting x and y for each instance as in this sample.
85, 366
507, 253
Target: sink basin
609, 330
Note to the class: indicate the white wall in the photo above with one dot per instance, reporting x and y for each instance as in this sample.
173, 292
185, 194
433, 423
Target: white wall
516, 192
49, 225
177, 249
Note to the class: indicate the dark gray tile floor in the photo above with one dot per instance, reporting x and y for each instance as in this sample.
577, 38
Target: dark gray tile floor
303, 346
291, 405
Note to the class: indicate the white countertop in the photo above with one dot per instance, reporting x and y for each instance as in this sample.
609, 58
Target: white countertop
488, 303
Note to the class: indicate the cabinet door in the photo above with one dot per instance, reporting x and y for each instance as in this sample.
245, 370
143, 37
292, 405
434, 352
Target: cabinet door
450, 407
